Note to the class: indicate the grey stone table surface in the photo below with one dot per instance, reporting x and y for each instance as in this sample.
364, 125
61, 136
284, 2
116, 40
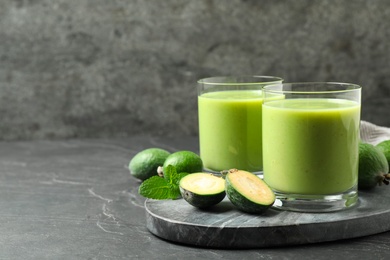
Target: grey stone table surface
75, 199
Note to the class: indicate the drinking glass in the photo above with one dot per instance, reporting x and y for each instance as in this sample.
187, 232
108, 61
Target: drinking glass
311, 144
230, 125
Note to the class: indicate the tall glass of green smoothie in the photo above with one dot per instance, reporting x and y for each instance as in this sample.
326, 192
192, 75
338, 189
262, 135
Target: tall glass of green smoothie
230, 124
310, 145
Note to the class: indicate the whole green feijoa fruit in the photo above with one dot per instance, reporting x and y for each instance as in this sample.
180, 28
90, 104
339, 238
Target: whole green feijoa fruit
373, 167
145, 163
384, 146
184, 161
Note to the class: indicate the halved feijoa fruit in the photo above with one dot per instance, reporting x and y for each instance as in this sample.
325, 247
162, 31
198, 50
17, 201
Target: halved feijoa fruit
248, 192
202, 190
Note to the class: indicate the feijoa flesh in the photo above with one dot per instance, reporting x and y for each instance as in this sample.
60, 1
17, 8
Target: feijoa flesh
373, 167
248, 192
202, 190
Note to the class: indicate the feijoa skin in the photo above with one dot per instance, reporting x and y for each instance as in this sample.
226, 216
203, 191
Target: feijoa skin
145, 163
384, 146
373, 167
248, 192
202, 190
184, 161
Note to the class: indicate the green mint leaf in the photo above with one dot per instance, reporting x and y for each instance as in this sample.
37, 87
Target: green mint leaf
175, 192
176, 184
173, 177
156, 188
170, 174
160, 188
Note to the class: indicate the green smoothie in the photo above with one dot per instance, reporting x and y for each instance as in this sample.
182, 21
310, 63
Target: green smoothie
311, 145
230, 130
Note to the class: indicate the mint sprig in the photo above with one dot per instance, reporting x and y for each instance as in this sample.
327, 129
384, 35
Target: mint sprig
162, 187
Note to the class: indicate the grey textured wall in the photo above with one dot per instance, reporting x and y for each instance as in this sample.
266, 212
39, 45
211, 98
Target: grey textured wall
79, 68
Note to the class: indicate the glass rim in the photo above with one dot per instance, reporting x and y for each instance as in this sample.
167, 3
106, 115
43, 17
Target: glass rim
218, 80
351, 87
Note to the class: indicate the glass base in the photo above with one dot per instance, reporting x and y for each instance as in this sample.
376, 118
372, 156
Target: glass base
316, 203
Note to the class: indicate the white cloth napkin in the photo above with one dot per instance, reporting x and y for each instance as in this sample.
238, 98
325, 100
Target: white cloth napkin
373, 134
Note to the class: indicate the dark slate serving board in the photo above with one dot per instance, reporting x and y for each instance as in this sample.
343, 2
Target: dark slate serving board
223, 226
